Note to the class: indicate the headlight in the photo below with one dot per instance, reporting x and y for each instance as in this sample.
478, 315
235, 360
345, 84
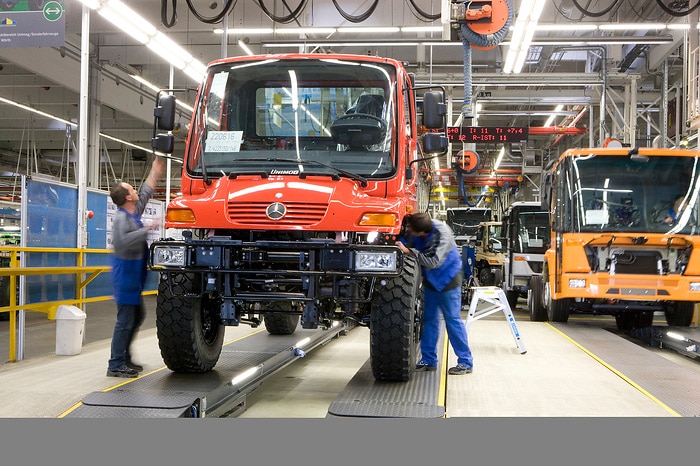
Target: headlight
379, 261
577, 283
168, 256
694, 286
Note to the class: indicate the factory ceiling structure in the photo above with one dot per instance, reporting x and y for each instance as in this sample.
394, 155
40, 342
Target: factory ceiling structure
589, 71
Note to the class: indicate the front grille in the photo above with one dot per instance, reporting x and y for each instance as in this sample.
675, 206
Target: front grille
298, 213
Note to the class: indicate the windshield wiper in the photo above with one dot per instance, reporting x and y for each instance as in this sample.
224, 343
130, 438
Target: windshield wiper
202, 139
339, 171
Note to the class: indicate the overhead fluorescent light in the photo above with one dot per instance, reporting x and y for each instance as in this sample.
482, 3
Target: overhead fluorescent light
72, 124
527, 19
145, 82
245, 48
498, 159
144, 32
368, 30
128, 21
631, 26
245, 31
193, 72
305, 31
421, 29
550, 120
574, 41
566, 27
570, 41
412, 43
166, 48
37, 112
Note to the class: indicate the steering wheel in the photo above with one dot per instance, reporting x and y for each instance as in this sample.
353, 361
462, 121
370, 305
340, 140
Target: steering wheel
354, 116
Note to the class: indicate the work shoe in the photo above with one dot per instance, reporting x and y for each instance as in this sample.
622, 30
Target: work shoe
134, 366
122, 372
459, 370
424, 366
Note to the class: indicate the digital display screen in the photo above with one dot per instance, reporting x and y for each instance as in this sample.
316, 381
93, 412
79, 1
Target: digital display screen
487, 133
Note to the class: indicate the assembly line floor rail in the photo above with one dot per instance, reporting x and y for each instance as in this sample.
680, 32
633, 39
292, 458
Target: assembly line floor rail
242, 366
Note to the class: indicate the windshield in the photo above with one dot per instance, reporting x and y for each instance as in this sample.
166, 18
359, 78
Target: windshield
465, 221
295, 116
532, 230
495, 239
624, 194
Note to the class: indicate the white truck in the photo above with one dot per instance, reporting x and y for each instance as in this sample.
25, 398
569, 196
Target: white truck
526, 229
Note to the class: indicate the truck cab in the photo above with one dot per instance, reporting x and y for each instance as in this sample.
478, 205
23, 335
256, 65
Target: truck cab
298, 172
489, 254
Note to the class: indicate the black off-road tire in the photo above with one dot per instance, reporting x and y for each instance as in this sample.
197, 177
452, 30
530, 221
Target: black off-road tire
396, 311
538, 313
190, 334
486, 278
498, 277
280, 324
681, 314
557, 309
512, 298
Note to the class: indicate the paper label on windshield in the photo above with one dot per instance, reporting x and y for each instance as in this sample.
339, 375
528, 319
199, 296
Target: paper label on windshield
597, 217
224, 141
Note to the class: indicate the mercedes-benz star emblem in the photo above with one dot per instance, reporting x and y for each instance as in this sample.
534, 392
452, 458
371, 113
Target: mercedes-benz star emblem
276, 211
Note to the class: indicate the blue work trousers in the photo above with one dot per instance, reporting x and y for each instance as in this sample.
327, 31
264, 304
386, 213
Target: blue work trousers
445, 304
129, 319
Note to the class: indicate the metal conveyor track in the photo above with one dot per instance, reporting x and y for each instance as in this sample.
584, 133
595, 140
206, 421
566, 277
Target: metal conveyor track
241, 368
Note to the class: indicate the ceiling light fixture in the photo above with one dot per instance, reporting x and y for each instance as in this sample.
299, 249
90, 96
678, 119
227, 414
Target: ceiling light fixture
368, 30
245, 48
570, 41
145, 33
498, 160
521, 37
245, 31
73, 124
322, 31
550, 120
566, 27
421, 29
631, 26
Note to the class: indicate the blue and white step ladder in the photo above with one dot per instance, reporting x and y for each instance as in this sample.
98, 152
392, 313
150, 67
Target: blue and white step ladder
496, 298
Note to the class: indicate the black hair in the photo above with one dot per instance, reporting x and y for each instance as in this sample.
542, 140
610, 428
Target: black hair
420, 222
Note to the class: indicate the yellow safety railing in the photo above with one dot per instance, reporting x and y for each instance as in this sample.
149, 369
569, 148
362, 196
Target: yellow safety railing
84, 275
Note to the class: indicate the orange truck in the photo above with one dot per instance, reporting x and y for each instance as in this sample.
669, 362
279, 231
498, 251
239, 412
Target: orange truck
618, 247
298, 172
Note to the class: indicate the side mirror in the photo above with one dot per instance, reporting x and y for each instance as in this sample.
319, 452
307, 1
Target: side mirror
164, 143
546, 191
434, 110
164, 112
435, 143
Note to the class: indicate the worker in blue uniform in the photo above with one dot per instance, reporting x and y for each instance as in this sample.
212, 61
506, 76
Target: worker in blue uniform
129, 262
433, 245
